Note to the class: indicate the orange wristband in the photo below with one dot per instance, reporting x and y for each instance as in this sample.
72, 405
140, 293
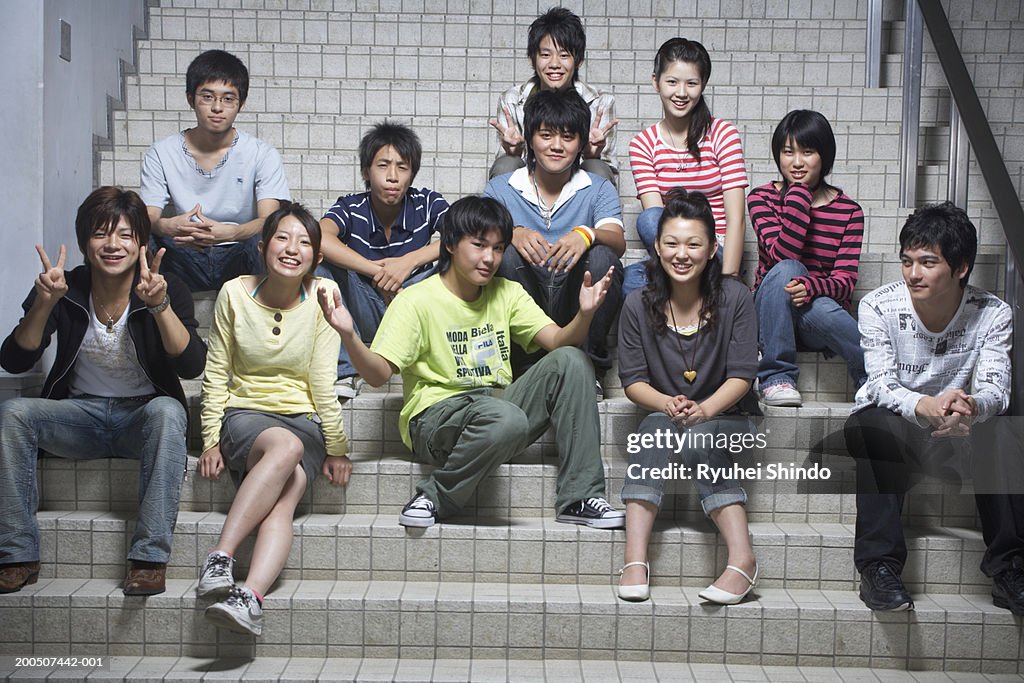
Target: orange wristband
585, 235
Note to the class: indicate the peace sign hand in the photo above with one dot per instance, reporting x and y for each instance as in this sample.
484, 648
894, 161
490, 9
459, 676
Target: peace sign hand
51, 285
152, 287
512, 140
599, 135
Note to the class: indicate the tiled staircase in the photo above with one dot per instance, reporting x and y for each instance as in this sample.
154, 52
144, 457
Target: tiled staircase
504, 592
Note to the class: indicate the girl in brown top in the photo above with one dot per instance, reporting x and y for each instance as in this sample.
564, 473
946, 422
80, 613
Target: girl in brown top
688, 354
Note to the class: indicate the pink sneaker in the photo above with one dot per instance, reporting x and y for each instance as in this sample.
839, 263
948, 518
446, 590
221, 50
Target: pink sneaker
783, 394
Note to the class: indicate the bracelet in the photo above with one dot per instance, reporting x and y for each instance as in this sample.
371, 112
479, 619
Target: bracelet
160, 307
585, 234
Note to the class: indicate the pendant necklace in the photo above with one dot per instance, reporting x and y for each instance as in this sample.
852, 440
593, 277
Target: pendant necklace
545, 210
110, 319
689, 375
679, 159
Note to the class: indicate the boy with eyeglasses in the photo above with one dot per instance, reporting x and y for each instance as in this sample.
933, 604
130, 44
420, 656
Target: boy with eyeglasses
209, 188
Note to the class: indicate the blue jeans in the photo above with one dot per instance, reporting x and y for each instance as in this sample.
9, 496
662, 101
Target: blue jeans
559, 295
152, 432
635, 275
364, 303
209, 268
647, 226
698, 449
822, 325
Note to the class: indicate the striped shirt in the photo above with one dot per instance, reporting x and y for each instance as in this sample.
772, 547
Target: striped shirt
658, 167
826, 239
361, 230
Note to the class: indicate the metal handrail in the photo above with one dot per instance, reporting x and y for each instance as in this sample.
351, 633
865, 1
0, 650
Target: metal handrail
873, 73
973, 120
913, 50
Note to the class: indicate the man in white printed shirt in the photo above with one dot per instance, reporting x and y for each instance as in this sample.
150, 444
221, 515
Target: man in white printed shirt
936, 351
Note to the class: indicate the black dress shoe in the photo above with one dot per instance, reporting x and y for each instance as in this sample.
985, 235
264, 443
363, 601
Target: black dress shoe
881, 588
1008, 589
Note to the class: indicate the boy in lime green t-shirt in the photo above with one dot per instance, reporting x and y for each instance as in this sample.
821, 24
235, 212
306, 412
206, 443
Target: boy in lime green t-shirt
450, 338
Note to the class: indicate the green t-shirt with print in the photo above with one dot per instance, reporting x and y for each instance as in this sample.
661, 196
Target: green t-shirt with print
443, 346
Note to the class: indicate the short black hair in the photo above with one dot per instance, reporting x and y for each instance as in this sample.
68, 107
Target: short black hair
469, 217
565, 30
564, 112
401, 137
947, 227
217, 65
300, 213
810, 130
104, 208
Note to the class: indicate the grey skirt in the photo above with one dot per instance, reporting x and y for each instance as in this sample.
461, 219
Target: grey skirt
240, 428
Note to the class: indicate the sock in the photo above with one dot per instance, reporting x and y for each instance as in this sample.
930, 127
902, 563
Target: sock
259, 598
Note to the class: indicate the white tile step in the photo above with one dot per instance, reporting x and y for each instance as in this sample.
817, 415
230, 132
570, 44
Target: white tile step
524, 550
451, 620
407, 670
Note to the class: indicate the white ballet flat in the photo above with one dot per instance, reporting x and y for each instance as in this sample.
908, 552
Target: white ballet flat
714, 594
640, 591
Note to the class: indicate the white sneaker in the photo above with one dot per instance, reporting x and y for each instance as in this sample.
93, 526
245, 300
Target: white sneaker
348, 387
239, 612
418, 512
783, 394
216, 576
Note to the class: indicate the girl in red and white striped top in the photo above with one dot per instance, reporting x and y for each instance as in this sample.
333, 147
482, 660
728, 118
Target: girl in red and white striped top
691, 149
808, 241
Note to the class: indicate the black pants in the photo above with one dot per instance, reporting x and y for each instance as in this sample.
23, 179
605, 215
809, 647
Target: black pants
890, 450
559, 295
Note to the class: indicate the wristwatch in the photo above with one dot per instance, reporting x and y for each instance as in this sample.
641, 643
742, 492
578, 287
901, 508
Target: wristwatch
160, 307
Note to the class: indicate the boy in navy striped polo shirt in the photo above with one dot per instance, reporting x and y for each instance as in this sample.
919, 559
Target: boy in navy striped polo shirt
378, 241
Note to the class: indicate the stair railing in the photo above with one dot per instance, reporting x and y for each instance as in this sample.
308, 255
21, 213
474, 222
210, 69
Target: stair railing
967, 122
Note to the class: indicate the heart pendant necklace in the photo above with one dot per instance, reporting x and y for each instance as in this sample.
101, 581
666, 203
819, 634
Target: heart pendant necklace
690, 375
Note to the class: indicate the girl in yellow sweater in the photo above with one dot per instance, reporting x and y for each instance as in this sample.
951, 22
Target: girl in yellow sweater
270, 414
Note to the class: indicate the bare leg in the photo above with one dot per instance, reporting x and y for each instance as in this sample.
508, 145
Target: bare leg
274, 539
274, 457
639, 522
731, 520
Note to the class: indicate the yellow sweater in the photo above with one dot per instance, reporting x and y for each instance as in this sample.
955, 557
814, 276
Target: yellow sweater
267, 359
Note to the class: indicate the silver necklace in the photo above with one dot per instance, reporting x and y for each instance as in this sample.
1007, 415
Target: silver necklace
679, 158
545, 210
110, 319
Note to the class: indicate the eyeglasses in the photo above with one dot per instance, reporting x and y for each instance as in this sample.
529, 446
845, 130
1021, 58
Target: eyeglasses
228, 101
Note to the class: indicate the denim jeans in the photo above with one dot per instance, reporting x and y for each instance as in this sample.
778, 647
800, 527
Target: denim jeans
635, 275
647, 227
822, 325
364, 303
152, 432
713, 494
209, 268
559, 295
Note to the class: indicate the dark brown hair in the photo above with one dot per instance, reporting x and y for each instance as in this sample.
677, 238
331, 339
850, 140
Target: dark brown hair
103, 209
